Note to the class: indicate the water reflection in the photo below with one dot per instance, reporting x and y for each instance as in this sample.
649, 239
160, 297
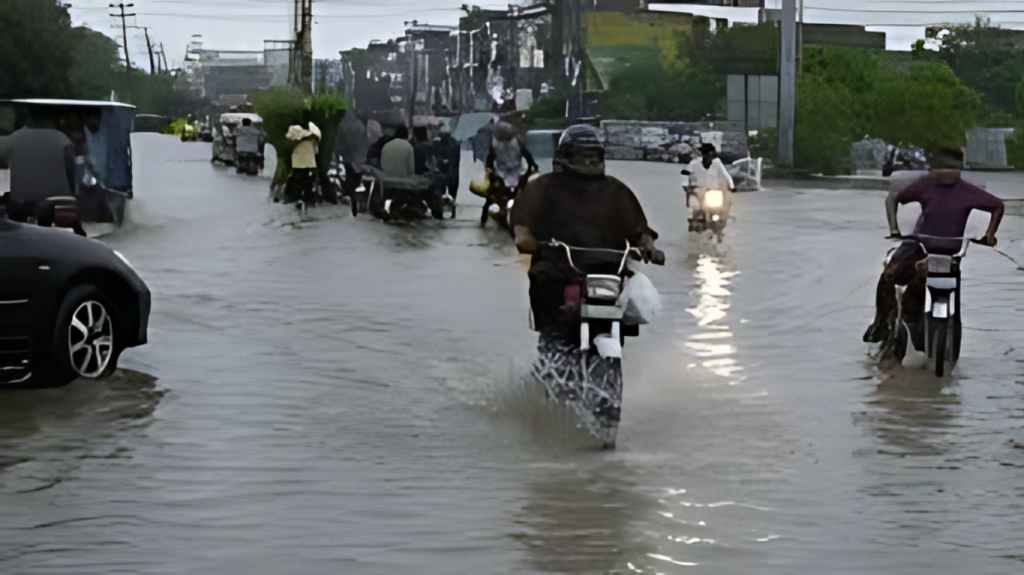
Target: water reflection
911, 411
712, 343
585, 520
46, 433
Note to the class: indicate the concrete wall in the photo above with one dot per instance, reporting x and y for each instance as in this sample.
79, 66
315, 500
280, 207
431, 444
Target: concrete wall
669, 141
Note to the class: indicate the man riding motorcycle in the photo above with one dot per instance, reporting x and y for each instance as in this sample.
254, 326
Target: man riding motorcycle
946, 204
579, 205
248, 140
707, 173
504, 166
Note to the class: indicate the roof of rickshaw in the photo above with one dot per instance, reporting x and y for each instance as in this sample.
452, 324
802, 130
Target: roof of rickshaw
55, 102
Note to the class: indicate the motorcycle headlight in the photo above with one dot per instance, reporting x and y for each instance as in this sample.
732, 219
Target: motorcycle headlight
713, 199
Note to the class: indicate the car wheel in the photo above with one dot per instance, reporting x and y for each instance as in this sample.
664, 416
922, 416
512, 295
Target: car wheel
86, 336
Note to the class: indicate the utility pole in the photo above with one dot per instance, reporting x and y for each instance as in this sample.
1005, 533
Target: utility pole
800, 39
124, 31
787, 84
149, 45
161, 61
302, 52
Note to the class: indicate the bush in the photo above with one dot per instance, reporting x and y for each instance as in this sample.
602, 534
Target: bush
550, 106
281, 108
825, 126
765, 144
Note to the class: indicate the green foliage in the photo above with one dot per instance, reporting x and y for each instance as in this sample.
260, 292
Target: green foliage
844, 94
45, 57
37, 49
96, 65
550, 106
826, 125
1015, 143
928, 107
765, 144
646, 91
986, 58
282, 107
177, 127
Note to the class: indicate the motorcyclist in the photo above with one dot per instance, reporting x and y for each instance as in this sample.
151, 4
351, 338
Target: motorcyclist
505, 160
707, 173
247, 141
946, 204
449, 157
581, 206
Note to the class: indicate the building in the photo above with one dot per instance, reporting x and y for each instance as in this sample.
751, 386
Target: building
214, 74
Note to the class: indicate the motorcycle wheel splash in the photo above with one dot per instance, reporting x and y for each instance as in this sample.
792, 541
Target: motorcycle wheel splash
584, 381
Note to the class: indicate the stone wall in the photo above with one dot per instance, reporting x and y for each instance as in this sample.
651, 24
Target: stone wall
669, 141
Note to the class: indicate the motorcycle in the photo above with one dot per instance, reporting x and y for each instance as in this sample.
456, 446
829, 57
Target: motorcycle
710, 213
580, 363
248, 163
497, 195
939, 331
403, 199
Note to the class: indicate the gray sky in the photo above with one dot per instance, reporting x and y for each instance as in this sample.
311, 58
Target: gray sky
342, 24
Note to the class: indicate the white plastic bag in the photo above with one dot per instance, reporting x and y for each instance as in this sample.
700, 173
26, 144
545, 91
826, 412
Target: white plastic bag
640, 300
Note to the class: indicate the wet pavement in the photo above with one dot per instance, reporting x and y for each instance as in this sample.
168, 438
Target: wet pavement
343, 396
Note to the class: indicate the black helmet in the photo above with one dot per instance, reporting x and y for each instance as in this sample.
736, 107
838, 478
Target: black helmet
580, 150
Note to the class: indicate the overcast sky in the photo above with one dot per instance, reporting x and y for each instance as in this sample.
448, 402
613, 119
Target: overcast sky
343, 24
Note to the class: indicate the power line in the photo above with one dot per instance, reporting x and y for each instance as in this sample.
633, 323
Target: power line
866, 11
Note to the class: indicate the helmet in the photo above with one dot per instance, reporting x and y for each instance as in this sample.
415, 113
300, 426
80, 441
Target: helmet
581, 150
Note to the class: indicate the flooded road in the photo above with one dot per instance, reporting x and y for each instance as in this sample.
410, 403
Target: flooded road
342, 396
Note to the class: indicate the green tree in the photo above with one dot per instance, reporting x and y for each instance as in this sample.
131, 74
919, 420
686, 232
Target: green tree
37, 48
281, 108
1015, 142
646, 91
826, 125
987, 59
927, 106
95, 66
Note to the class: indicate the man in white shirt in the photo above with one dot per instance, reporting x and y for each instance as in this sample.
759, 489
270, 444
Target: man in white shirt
708, 173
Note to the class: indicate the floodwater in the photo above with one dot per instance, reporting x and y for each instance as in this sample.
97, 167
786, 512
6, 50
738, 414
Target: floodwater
343, 396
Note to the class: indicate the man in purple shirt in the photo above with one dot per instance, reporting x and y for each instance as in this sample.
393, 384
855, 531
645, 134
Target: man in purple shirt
946, 204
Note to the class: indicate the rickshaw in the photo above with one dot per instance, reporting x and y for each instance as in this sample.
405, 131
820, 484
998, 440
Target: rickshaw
224, 136
101, 134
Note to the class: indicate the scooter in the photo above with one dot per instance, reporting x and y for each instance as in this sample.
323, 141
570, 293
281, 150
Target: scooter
710, 213
582, 365
939, 334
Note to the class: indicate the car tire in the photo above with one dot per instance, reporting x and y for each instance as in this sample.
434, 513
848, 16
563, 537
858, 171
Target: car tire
86, 335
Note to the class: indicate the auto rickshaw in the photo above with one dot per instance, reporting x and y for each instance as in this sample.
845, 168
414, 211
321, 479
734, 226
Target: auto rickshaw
224, 136
101, 134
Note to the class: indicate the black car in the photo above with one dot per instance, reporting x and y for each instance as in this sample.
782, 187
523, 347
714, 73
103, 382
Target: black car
68, 307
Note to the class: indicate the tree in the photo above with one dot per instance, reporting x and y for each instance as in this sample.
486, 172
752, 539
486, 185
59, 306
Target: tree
280, 108
826, 125
927, 106
95, 65
37, 48
987, 59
